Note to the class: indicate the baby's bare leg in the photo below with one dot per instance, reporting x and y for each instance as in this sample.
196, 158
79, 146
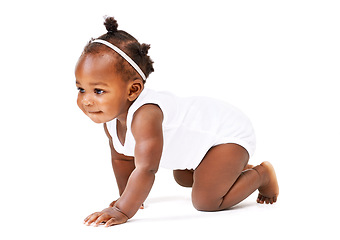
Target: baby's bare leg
220, 182
184, 177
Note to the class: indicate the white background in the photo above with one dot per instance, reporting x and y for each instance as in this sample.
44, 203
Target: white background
278, 61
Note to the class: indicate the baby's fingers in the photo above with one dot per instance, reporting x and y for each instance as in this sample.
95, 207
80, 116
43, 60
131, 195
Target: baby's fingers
91, 218
111, 222
101, 219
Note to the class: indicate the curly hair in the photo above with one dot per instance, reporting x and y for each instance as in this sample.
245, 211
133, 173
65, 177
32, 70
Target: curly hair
128, 44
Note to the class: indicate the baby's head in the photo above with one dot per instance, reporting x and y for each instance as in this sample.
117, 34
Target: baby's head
111, 73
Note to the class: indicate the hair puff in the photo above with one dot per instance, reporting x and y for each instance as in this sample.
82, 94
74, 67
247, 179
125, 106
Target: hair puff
111, 24
144, 49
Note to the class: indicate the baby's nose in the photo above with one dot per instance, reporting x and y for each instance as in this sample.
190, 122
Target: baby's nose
87, 101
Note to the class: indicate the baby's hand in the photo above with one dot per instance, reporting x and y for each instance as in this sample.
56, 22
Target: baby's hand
114, 202
109, 216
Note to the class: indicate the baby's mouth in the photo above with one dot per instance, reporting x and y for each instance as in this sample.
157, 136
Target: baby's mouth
94, 112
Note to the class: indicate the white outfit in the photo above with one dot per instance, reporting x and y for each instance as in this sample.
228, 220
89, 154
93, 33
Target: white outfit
191, 126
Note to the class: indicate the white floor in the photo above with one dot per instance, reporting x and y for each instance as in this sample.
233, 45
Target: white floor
56, 212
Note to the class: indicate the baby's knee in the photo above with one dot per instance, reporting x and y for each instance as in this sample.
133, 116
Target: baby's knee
205, 203
204, 206
208, 203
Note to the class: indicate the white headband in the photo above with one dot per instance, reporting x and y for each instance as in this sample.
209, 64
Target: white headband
123, 54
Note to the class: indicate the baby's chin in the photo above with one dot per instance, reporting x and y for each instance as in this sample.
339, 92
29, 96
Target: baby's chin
98, 117
97, 121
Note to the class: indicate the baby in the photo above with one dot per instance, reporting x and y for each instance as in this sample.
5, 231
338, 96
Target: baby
207, 143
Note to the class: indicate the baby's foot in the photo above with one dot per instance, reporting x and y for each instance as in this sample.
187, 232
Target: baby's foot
268, 192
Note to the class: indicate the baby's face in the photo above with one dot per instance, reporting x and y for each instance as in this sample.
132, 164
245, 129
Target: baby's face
103, 95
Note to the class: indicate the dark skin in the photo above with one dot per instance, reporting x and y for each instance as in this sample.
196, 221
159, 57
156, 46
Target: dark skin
222, 180
122, 166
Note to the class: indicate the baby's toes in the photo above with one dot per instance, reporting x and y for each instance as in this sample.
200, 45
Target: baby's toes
267, 200
260, 199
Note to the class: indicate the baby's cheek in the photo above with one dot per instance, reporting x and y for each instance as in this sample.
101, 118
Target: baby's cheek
79, 103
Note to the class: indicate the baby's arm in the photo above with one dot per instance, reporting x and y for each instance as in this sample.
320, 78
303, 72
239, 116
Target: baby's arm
147, 131
122, 165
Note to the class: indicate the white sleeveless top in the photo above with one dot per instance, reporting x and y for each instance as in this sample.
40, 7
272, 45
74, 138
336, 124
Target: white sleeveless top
191, 126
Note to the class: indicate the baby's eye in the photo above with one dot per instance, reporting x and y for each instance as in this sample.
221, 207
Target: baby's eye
99, 91
81, 90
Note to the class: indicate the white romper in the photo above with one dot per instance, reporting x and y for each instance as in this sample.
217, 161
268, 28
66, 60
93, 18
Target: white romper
191, 126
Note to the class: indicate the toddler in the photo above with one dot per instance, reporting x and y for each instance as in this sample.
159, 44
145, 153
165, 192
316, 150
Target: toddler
207, 143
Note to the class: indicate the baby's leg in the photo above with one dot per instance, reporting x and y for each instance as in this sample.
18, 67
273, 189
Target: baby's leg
220, 182
184, 177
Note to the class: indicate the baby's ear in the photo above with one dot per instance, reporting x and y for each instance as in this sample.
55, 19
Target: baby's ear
136, 87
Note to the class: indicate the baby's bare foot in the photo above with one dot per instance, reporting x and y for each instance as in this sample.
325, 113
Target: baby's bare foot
269, 191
